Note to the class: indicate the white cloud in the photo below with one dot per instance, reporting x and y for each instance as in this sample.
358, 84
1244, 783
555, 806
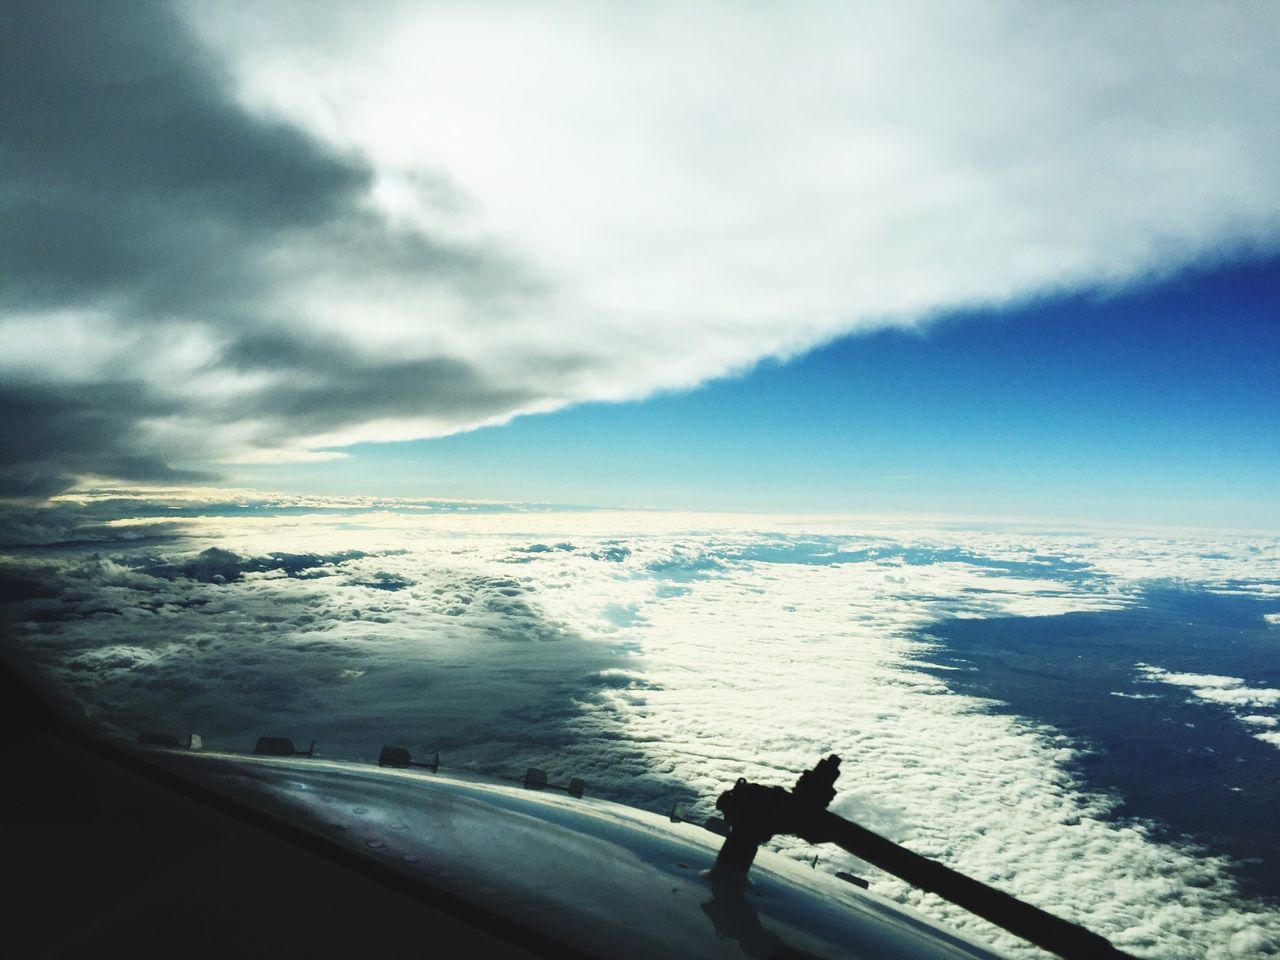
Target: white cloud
1260, 721
745, 182
519, 209
1232, 691
660, 657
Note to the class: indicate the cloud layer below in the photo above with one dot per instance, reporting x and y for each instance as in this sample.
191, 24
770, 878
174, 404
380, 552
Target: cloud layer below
1244, 700
249, 232
658, 656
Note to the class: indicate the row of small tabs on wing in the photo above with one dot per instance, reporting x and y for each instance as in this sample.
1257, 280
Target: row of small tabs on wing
399, 757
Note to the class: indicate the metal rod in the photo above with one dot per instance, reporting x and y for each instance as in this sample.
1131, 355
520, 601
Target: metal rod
1066, 939
756, 813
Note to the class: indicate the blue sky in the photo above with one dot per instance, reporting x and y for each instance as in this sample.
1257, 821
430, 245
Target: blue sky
1156, 405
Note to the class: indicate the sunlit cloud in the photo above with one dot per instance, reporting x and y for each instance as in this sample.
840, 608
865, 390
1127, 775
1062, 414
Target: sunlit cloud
255, 231
659, 656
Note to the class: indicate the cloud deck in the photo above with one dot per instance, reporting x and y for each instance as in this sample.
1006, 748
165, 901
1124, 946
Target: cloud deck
662, 656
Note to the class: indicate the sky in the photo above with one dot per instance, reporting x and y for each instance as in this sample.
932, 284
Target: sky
265, 263
978, 260
1149, 407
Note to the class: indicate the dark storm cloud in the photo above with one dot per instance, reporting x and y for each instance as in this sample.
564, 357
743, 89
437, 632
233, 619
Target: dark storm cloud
339, 389
128, 175
128, 171
134, 188
54, 432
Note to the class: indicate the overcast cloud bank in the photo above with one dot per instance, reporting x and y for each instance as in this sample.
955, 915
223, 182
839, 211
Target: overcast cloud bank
247, 232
